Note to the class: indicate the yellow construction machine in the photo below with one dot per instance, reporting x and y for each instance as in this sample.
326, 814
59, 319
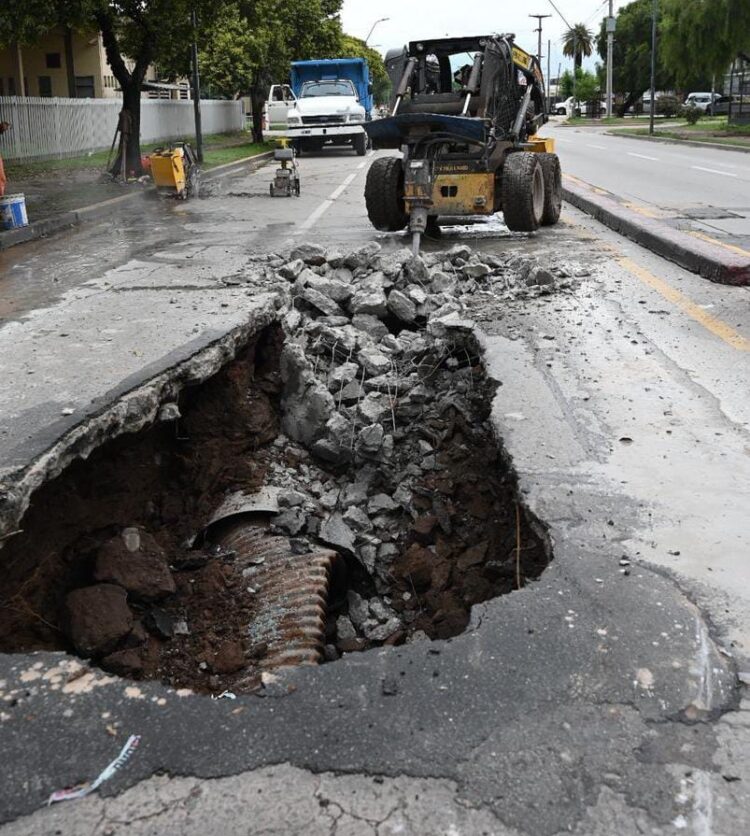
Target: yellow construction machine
468, 132
175, 171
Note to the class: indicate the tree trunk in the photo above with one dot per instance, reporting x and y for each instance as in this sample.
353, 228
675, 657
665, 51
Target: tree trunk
70, 69
257, 100
130, 83
630, 100
131, 104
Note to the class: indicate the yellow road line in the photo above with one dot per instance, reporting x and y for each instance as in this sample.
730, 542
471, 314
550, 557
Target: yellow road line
575, 179
646, 210
711, 323
731, 247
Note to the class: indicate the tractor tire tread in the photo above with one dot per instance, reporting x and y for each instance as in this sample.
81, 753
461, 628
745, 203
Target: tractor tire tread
384, 195
552, 172
517, 192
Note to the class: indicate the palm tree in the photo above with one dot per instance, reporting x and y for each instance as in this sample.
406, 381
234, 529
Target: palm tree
577, 43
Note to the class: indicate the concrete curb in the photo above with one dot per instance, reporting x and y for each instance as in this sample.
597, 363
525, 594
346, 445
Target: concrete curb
691, 142
46, 226
708, 260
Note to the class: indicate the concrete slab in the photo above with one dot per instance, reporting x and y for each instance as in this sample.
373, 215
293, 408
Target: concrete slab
71, 370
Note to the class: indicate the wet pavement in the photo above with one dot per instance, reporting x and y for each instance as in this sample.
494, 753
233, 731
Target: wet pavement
703, 191
592, 702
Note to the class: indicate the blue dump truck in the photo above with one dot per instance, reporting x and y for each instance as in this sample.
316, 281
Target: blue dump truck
332, 101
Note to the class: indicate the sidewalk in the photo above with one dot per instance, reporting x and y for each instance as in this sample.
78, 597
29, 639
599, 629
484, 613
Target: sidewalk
695, 251
63, 193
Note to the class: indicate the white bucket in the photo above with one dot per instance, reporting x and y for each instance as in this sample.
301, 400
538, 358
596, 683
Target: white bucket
13, 211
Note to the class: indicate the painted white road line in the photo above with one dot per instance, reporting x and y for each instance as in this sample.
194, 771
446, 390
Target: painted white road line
713, 171
643, 156
598, 147
305, 225
336, 193
325, 205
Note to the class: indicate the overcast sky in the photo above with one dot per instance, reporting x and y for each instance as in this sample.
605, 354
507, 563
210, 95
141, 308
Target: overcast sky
414, 19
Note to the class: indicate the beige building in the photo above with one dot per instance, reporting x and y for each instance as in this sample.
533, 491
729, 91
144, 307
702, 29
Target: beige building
69, 65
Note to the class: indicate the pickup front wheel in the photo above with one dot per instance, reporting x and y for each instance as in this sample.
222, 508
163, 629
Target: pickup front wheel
360, 144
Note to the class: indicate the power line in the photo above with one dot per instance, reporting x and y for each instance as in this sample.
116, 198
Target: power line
595, 12
560, 13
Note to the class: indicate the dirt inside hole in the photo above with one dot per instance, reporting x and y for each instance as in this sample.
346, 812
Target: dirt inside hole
110, 564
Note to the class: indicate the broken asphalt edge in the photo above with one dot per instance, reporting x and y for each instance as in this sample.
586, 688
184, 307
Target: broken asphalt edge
46, 226
693, 143
701, 257
128, 407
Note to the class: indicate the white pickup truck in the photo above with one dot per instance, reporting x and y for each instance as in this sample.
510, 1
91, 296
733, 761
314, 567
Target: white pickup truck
326, 111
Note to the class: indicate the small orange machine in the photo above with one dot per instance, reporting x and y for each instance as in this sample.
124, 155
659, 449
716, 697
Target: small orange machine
175, 170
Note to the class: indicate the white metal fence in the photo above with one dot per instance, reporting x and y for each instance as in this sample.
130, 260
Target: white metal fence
56, 128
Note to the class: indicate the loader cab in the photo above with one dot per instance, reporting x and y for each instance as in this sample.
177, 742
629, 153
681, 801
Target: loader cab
459, 76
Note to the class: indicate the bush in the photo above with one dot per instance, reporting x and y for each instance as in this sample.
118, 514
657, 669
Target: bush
691, 114
668, 106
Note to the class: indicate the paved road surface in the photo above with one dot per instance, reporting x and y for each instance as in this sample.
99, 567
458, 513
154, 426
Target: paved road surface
567, 707
703, 190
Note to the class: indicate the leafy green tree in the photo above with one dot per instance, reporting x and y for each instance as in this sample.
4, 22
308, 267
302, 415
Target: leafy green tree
632, 54
135, 34
229, 53
704, 36
284, 31
578, 42
381, 83
587, 85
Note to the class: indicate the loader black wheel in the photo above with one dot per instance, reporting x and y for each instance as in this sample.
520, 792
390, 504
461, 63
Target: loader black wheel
360, 144
550, 164
384, 194
523, 192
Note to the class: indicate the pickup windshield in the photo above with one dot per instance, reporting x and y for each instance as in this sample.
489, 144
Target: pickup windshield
327, 88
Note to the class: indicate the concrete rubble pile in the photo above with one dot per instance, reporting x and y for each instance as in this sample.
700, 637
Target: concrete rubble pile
379, 364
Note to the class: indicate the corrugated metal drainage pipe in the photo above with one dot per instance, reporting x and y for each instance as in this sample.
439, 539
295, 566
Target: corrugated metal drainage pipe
291, 590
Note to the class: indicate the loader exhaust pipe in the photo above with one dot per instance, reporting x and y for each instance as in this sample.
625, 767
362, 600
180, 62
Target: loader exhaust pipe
472, 85
518, 124
403, 85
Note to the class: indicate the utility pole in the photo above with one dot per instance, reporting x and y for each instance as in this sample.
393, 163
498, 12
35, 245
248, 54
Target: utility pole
611, 26
549, 80
539, 18
652, 112
196, 91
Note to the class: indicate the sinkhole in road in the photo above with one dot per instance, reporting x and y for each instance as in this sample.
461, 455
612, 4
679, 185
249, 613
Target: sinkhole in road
233, 536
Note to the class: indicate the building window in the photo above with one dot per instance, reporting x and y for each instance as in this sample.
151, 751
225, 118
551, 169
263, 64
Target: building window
53, 60
11, 87
85, 87
45, 86
2, 88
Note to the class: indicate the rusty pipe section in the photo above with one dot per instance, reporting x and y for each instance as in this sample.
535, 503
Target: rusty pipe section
291, 591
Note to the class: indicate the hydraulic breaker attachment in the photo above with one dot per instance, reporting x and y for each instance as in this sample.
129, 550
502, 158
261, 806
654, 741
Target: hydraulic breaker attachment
418, 185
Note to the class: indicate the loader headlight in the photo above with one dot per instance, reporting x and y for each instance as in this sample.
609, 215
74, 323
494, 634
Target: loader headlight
356, 117
294, 119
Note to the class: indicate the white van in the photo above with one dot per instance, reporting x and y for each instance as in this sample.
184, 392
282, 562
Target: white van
701, 101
